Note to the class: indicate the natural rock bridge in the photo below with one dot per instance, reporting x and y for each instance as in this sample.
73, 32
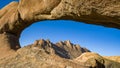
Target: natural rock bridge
16, 16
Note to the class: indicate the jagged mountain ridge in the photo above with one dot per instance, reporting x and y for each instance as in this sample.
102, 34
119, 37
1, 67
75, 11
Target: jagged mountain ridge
64, 49
45, 54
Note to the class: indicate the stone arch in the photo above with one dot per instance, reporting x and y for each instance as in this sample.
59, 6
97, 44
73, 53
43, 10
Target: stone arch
15, 17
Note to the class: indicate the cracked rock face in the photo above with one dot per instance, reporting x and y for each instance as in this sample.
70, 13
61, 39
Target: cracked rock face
15, 17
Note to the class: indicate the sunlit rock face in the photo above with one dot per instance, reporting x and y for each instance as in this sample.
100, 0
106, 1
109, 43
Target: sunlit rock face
114, 58
15, 17
64, 49
64, 54
94, 60
44, 54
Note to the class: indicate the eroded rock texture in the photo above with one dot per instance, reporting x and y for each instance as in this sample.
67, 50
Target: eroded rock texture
45, 54
64, 49
15, 17
94, 60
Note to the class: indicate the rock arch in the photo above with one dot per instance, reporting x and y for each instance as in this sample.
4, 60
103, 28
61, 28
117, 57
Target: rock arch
16, 16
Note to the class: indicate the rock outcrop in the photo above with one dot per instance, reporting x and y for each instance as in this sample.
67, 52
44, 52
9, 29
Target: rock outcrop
94, 60
44, 54
64, 49
114, 58
15, 17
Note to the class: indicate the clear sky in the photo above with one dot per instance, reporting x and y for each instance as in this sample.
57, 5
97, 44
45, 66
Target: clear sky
105, 41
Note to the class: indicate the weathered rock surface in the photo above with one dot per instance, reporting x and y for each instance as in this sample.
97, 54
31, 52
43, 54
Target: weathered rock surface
44, 54
15, 17
94, 60
63, 49
114, 58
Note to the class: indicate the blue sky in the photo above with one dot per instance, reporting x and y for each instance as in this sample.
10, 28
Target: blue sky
105, 41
